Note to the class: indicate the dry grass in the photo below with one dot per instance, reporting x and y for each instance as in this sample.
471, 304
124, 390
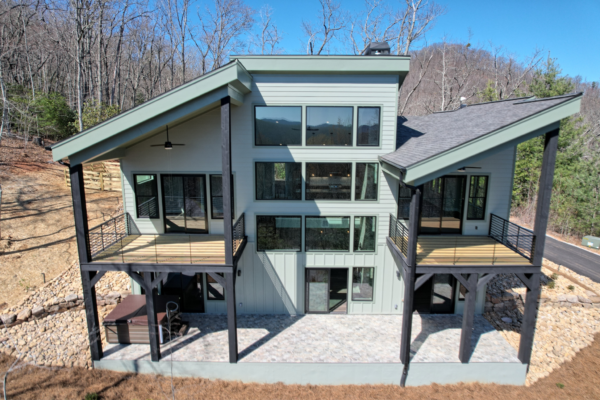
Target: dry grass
580, 377
36, 224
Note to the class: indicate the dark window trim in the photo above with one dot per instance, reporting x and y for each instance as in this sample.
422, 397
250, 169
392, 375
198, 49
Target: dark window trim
276, 162
212, 210
352, 179
376, 234
164, 203
372, 300
487, 184
333, 145
281, 216
137, 210
358, 125
208, 284
278, 145
350, 246
355, 181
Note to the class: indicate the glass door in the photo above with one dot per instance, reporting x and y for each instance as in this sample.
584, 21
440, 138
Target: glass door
317, 290
184, 203
442, 206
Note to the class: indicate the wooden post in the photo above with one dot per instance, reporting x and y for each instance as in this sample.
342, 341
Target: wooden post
464, 353
409, 283
152, 319
81, 237
226, 174
542, 212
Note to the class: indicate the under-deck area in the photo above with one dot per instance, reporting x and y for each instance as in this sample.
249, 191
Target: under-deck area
172, 248
333, 342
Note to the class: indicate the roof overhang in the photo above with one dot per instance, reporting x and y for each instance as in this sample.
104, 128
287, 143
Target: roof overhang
111, 138
484, 146
326, 64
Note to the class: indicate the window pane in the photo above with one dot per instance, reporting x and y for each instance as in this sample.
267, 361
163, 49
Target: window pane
146, 196
365, 236
368, 126
278, 233
278, 126
366, 181
329, 126
327, 233
215, 290
216, 197
362, 284
477, 197
328, 181
404, 198
278, 181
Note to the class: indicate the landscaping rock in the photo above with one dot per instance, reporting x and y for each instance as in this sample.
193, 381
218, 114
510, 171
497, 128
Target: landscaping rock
595, 299
572, 298
8, 318
507, 320
37, 311
24, 315
71, 298
583, 299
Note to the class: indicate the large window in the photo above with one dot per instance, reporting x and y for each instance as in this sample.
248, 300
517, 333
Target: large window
477, 197
362, 283
367, 177
332, 181
278, 233
329, 126
146, 196
215, 291
368, 126
278, 126
365, 234
327, 233
216, 197
278, 181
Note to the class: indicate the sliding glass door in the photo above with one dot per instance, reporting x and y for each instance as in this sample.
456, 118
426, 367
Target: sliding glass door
442, 207
184, 203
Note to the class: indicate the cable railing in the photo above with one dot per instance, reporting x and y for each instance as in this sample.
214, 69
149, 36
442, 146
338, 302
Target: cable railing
109, 233
399, 234
239, 232
520, 240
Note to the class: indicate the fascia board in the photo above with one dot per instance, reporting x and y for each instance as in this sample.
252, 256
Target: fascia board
111, 155
397, 65
233, 74
391, 169
153, 126
510, 134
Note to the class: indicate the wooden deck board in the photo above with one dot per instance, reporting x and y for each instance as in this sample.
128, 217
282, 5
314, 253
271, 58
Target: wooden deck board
180, 249
465, 250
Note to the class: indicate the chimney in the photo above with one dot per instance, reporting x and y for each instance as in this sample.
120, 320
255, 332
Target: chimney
377, 49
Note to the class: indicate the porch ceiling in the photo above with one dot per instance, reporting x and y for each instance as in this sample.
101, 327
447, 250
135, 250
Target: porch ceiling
440, 143
111, 138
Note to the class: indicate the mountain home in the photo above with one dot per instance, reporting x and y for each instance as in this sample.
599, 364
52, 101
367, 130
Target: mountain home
288, 185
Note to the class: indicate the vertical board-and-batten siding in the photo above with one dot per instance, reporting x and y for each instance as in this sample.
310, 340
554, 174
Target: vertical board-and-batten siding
273, 282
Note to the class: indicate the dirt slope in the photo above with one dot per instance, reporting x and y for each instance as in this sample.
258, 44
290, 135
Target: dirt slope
36, 220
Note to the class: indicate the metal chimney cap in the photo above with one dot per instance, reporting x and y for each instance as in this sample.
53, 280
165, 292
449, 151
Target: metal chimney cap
377, 48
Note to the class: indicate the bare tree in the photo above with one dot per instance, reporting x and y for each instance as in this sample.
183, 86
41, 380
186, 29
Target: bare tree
331, 20
268, 36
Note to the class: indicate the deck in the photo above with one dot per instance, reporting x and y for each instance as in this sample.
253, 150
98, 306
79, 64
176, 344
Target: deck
465, 250
172, 248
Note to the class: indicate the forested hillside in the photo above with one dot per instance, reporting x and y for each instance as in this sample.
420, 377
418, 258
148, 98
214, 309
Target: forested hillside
66, 65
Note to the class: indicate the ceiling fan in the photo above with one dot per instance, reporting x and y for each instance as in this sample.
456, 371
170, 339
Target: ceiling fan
168, 145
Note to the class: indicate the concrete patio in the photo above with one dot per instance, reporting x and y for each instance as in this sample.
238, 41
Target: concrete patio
325, 339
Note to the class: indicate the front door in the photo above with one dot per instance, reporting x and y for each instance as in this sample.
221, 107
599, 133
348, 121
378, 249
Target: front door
184, 203
327, 290
442, 207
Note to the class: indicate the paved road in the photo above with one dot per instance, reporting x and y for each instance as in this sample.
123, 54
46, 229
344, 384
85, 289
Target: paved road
579, 260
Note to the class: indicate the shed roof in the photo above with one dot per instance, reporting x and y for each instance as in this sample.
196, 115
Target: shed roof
454, 137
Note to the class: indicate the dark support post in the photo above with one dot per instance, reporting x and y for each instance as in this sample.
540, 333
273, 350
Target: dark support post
542, 213
226, 174
409, 284
464, 353
152, 319
81, 235
231, 318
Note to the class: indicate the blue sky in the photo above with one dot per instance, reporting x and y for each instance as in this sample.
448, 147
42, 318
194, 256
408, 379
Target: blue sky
570, 30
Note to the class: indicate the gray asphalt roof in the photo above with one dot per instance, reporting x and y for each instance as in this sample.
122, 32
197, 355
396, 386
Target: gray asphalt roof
419, 138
